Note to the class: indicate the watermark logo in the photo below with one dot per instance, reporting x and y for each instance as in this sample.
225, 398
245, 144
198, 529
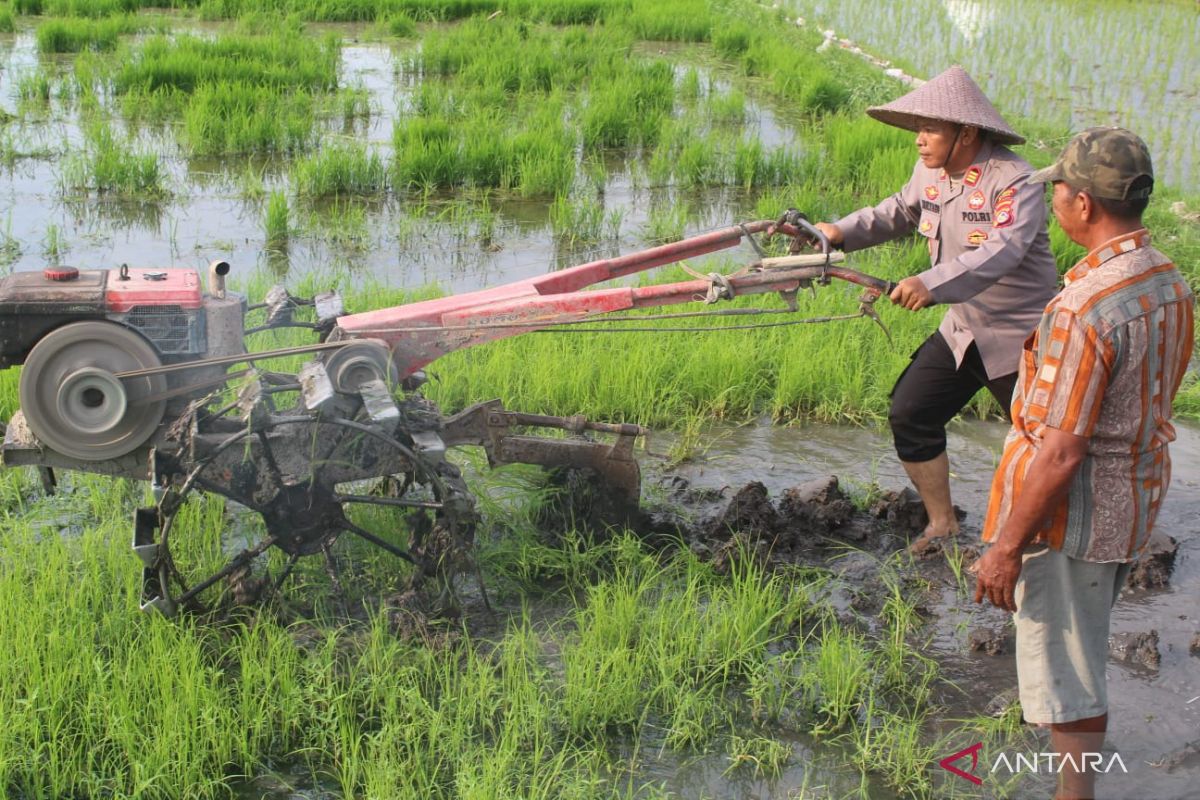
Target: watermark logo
1098, 763
947, 763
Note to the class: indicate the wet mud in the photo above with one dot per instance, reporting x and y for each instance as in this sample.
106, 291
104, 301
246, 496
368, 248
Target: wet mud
772, 490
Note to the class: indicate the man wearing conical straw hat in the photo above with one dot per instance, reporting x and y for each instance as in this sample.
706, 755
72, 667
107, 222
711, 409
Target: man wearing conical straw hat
990, 263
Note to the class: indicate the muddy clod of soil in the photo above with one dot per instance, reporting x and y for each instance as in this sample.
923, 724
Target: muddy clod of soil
1186, 756
1194, 646
818, 506
1000, 704
1136, 648
805, 517
993, 641
1153, 569
904, 512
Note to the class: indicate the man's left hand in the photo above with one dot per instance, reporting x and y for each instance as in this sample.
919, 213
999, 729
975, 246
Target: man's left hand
912, 294
996, 576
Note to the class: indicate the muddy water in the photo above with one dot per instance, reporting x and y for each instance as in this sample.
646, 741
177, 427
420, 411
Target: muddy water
1153, 713
1076, 63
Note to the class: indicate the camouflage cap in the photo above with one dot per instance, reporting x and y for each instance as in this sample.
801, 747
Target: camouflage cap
1110, 163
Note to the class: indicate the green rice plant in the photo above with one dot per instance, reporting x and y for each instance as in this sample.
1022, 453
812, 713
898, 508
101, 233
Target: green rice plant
760, 755
281, 61
226, 118
7, 19
400, 25
836, 678
667, 221
10, 246
339, 170
107, 166
732, 39
94, 9
679, 21
276, 223
630, 110
34, 88
689, 86
728, 108
72, 34
53, 244
577, 220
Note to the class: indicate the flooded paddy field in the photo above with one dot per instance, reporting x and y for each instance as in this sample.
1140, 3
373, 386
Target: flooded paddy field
1044, 60
412, 147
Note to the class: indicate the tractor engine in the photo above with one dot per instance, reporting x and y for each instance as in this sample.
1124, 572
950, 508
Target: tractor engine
74, 330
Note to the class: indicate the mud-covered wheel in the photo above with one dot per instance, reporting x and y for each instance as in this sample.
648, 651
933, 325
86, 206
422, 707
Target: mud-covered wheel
207, 555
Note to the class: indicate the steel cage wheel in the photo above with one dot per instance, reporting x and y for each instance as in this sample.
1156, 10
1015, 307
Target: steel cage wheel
306, 517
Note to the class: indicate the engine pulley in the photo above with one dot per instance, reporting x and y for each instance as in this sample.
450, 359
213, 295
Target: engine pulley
72, 399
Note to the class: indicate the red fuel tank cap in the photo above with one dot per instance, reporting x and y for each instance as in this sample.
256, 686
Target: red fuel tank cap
60, 273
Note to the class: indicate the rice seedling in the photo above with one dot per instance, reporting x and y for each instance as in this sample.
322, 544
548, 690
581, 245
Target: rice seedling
277, 221
34, 88
400, 25
577, 219
7, 19
10, 246
760, 755
727, 108
679, 21
53, 244
72, 34
107, 166
228, 118
342, 169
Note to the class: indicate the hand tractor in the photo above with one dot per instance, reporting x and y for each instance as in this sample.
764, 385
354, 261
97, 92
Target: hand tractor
130, 373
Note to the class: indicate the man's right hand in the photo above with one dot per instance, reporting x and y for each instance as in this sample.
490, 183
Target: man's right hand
831, 232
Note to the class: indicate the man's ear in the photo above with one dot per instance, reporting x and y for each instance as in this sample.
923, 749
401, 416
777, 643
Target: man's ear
1087, 205
969, 135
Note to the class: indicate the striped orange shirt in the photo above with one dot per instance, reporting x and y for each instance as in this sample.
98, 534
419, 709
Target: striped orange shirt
1105, 362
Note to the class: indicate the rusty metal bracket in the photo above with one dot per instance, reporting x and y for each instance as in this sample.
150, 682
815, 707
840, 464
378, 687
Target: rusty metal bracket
490, 426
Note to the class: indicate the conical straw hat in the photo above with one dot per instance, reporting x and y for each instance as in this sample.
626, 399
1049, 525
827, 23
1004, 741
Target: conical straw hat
951, 97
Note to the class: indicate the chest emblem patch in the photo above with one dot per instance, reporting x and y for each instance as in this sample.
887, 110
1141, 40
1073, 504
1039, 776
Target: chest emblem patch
976, 201
973, 175
932, 192
976, 237
926, 226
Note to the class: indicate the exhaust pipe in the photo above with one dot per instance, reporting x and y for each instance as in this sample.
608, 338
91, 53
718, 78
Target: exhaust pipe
217, 271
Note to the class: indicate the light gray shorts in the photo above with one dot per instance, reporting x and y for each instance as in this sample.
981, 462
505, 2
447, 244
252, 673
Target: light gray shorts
1062, 619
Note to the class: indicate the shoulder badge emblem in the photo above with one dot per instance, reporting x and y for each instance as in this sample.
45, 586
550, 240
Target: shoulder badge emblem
976, 237
973, 175
976, 201
1004, 213
932, 192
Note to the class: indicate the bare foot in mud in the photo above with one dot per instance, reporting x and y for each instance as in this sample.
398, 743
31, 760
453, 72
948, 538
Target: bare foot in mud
931, 540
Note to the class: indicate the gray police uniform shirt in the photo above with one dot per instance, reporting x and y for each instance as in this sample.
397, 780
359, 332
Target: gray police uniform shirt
988, 246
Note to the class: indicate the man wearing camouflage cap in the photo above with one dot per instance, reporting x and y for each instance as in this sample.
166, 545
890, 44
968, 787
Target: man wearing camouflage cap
1085, 466
990, 262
